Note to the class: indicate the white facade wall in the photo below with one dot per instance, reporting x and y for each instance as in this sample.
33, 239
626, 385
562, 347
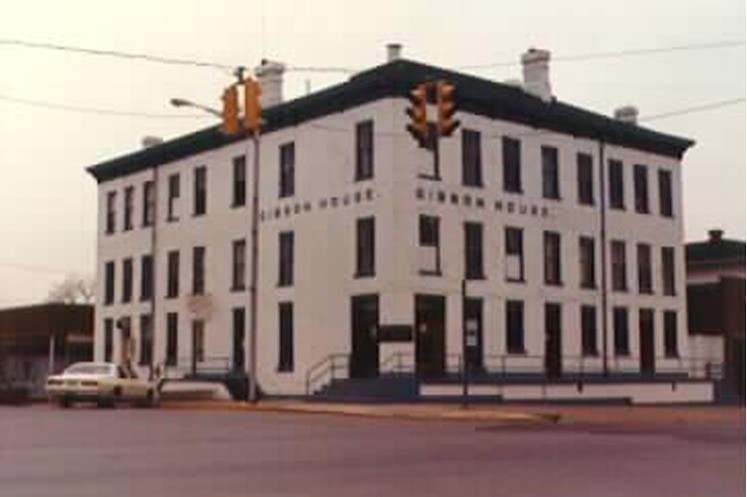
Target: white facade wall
324, 262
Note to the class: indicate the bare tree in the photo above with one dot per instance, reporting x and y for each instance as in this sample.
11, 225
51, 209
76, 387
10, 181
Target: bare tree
74, 289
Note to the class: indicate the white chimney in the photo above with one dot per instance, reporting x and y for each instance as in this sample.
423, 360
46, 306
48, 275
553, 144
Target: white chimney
627, 114
393, 52
536, 67
151, 141
270, 77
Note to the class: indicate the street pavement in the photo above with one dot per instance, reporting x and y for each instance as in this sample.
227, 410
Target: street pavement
45, 451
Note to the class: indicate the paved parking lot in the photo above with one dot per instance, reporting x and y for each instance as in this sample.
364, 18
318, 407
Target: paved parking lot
83, 452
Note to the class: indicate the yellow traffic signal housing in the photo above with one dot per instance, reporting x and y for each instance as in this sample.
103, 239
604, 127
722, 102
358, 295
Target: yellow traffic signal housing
418, 127
230, 112
252, 106
446, 108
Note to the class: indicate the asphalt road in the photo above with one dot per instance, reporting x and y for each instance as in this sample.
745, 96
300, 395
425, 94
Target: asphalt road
45, 451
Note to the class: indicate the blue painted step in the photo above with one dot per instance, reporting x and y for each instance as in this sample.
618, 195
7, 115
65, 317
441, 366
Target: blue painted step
384, 387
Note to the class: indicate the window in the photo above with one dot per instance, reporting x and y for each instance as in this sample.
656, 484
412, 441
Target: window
666, 207
149, 203
285, 360
473, 267
238, 280
587, 262
127, 280
198, 270
619, 267
471, 158
128, 198
285, 270
585, 179
645, 284
108, 339
200, 185
515, 326
620, 325
430, 248
109, 283
365, 247
172, 338
239, 319
146, 340
667, 270
172, 214
514, 254
172, 277
111, 212
364, 151
617, 185
198, 341
239, 181
640, 187
552, 258
589, 330
146, 277
670, 334
511, 165
287, 170
550, 175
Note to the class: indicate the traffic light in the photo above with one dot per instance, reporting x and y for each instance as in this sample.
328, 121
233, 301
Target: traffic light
230, 112
252, 106
446, 108
418, 128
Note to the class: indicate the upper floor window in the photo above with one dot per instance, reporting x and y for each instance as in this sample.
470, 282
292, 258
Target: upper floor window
587, 262
645, 280
173, 213
473, 261
287, 170
239, 181
111, 212
109, 283
515, 327
430, 249
667, 271
128, 206
200, 193
364, 150
172, 274
640, 187
514, 254
670, 334
146, 277
552, 258
620, 326
666, 207
550, 175
471, 158
589, 330
366, 247
511, 165
127, 280
198, 270
616, 184
585, 179
619, 267
285, 270
238, 280
149, 203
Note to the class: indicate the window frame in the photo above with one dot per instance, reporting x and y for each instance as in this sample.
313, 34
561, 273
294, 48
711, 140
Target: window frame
129, 207
365, 244
200, 179
585, 179
550, 172
645, 271
472, 176
589, 331
172, 274
587, 262
286, 352
286, 255
474, 251
510, 250
515, 336
552, 250
426, 221
666, 193
238, 265
199, 256
238, 184
364, 150
127, 280
616, 186
287, 170
174, 193
641, 193
619, 285
512, 181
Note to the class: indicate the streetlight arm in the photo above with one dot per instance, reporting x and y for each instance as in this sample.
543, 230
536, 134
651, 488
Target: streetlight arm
180, 102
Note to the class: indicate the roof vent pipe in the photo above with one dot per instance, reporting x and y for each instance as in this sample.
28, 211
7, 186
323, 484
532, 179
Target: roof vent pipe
536, 68
393, 52
151, 141
715, 235
627, 114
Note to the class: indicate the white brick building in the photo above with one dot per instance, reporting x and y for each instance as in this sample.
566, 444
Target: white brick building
566, 224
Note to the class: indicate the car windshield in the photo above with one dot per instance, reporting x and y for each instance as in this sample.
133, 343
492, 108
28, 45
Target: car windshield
89, 369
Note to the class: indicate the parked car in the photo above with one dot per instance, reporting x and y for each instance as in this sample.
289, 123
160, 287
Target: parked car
106, 384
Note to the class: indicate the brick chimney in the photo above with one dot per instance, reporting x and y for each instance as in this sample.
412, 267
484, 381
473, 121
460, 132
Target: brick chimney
270, 76
715, 235
536, 68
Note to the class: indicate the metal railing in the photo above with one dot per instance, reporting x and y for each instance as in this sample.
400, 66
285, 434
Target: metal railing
326, 370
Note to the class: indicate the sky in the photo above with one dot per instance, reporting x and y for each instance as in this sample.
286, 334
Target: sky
48, 201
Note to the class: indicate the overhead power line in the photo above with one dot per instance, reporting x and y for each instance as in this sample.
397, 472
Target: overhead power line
695, 108
619, 53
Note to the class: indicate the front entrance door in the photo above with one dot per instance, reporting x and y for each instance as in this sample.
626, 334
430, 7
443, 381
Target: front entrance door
364, 360
430, 335
473, 329
553, 341
647, 347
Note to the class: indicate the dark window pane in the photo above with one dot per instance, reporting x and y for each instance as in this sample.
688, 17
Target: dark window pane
149, 203
366, 247
174, 193
172, 338
622, 342
471, 158
666, 206
287, 170
640, 186
514, 254
111, 212
515, 326
619, 267
239, 265
239, 181
285, 361
109, 283
552, 258
200, 193
128, 206
473, 251
550, 174
146, 277
146, 340
667, 268
585, 179
172, 283
616, 185
511, 165
587, 262
127, 280
364, 151
589, 330
108, 339
285, 276
198, 270
670, 334
645, 279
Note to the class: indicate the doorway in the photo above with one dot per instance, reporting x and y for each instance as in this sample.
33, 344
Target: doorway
430, 335
553, 341
364, 359
646, 343
473, 329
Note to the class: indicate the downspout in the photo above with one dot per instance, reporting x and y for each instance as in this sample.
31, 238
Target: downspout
603, 233
154, 271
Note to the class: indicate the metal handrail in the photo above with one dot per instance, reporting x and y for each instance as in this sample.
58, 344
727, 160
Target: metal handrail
323, 368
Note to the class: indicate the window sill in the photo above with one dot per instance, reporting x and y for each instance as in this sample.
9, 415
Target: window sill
359, 276
200, 214
516, 280
554, 199
429, 177
430, 272
671, 356
558, 284
475, 277
284, 370
588, 287
520, 191
592, 355
623, 354
362, 179
645, 292
236, 205
171, 297
517, 353
586, 204
480, 185
236, 289
172, 219
284, 285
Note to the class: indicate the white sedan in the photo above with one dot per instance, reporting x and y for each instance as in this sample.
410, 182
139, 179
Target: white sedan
100, 382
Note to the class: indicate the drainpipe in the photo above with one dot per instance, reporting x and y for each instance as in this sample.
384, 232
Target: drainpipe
154, 271
603, 230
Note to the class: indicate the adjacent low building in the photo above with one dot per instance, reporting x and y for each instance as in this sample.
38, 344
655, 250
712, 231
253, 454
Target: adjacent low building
551, 235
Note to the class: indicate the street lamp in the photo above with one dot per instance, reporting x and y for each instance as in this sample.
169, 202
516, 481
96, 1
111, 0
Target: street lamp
181, 102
